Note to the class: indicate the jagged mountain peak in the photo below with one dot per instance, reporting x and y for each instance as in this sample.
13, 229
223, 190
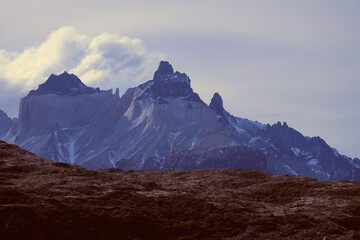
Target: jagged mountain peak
63, 84
164, 69
165, 73
170, 84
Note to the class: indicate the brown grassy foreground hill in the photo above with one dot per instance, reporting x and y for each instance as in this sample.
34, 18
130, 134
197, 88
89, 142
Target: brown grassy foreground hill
41, 199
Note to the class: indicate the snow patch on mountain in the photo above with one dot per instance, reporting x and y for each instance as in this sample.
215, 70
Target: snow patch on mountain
291, 170
296, 151
172, 138
313, 162
111, 156
73, 135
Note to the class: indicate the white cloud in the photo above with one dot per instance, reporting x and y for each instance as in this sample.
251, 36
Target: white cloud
107, 60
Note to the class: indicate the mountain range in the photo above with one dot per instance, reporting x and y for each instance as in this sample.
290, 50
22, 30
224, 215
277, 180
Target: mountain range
161, 124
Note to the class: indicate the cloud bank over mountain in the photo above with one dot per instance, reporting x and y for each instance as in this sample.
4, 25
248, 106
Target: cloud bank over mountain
108, 60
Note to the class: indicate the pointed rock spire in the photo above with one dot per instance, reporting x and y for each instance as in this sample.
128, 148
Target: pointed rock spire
217, 104
165, 68
117, 92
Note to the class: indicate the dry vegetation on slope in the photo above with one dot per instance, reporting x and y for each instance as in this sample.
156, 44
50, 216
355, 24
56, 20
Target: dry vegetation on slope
41, 199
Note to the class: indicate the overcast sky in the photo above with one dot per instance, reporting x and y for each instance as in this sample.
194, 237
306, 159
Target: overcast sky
270, 60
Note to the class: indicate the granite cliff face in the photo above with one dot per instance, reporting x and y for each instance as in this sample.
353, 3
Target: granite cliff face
163, 124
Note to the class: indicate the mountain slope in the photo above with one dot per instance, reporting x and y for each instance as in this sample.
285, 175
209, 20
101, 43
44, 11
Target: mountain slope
163, 124
6, 123
42, 199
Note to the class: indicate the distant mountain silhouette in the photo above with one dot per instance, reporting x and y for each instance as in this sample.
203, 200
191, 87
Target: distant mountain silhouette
163, 124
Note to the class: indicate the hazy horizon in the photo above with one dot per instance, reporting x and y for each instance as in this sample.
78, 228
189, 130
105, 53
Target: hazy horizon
295, 62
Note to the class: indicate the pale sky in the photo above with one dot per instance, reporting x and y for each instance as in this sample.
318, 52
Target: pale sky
273, 60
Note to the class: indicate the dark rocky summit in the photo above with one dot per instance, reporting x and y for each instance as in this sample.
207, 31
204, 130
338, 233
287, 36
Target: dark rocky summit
163, 71
63, 84
166, 83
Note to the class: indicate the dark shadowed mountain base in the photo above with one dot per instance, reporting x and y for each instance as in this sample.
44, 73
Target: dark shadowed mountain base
42, 199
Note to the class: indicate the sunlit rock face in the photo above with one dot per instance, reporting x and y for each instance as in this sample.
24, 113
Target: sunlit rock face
63, 101
40, 113
53, 117
163, 124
